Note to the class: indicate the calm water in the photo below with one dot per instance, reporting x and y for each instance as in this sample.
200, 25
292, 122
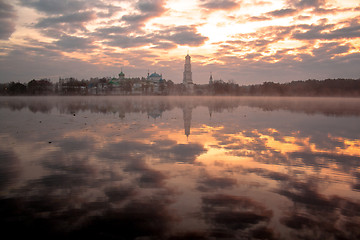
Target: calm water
180, 168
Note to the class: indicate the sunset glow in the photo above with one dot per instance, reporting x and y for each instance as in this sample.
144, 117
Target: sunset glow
241, 40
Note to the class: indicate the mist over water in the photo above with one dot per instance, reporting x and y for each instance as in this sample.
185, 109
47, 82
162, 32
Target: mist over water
180, 167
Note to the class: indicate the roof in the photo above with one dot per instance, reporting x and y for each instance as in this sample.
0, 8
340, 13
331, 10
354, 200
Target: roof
155, 75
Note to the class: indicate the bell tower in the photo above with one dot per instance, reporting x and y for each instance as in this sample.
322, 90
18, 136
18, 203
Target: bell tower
187, 80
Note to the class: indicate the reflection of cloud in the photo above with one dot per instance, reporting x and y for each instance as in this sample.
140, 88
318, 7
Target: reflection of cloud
120, 193
346, 162
230, 213
141, 218
167, 150
72, 144
269, 174
210, 183
314, 214
185, 153
8, 167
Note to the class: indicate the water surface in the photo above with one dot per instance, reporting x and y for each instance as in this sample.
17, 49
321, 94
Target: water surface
180, 167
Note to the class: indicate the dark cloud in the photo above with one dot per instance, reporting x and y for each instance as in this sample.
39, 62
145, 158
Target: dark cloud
183, 35
125, 41
330, 49
258, 18
54, 6
70, 43
306, 3
328, 31
108, 32
164, 45
148, 9
283, 12
219, 5
7, 20
153, 7
72, 18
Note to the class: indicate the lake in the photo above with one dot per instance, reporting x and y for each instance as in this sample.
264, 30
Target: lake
180, 167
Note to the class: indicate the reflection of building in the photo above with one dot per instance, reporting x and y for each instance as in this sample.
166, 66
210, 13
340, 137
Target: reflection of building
155, 113
187, 111
187, 80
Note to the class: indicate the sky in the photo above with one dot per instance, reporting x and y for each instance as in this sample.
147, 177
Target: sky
242, 41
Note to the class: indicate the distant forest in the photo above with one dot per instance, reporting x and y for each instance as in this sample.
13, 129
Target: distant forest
328, 87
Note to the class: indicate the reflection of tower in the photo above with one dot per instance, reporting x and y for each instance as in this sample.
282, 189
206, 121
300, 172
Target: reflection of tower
187, 111
155, 113
187, 80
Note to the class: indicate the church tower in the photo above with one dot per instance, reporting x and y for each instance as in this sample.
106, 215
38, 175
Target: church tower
187, 80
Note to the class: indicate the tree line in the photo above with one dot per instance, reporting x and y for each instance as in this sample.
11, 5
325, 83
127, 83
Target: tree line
311, 87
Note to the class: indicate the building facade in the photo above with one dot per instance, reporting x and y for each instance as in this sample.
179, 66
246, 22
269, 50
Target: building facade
187, 79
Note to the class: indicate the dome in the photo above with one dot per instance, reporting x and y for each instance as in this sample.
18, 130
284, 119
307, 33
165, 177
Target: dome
121, 74
155, 75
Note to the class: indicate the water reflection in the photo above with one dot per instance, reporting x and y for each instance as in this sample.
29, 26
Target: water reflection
180, 168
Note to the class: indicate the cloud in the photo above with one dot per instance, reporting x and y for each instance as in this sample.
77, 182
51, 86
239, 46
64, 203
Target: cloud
54, 6
328, 32
307, 3
219, 4
7, 20
183, 35
125, 41
72, 18
104, 32
283, 12
258, 18
164, 45
147, 9
70, 43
